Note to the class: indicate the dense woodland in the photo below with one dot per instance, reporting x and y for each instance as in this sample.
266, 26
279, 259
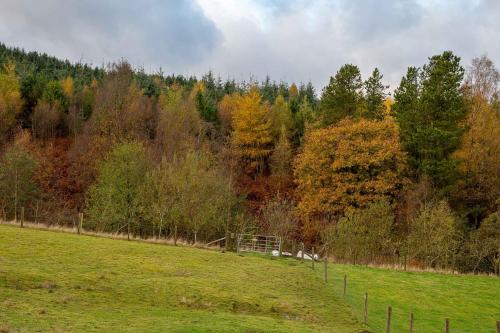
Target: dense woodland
411, 177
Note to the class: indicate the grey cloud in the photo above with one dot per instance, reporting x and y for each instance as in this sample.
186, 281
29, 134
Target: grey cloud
295, 40
369, 19
173, 34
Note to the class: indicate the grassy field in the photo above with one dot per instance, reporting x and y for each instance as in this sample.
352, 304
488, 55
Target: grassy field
472, 303
57, 282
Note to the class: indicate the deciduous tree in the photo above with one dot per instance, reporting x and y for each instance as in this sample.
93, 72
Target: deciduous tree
10, 99
252, 137
17, 188
347, 165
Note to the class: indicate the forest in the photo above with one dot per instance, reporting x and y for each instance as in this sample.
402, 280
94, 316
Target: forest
409, 177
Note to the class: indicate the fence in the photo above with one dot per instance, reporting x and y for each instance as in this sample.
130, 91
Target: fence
378, 316
258, 243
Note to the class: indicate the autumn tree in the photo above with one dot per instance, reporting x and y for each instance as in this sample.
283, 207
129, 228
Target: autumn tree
179, 127
482, 79
478, 159
433, 239
112, 200
279, 217
187, 196
252, 137
343, 96
45, 121
483, 246
429, 107
347, 165
477, 189
302, 119
281, 160
362, 235
227, 107
375, 95
121, 111
10, 99
280, 117
17, 187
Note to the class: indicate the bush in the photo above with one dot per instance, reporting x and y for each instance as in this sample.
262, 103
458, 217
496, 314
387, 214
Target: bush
434, 238
363, 235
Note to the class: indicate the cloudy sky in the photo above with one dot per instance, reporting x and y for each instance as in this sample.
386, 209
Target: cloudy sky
293, 40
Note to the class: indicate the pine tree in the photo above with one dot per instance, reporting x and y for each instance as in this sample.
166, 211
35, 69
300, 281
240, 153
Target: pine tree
375, 95
343, 96
430, 110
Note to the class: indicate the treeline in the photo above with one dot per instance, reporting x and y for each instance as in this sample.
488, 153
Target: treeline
409, 179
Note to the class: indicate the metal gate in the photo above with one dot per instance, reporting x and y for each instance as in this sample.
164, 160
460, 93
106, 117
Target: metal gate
258, 243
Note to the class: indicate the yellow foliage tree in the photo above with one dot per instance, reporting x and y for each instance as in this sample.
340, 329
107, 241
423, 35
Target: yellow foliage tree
388, 103
10, 98
293, 91
251, 139
226, 108
347, 165
280, 116
479, 156
68, 86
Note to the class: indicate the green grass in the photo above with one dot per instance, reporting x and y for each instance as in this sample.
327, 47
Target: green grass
53, 281
472, 303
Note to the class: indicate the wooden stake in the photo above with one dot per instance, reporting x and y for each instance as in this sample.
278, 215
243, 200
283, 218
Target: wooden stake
22, 217
312, 261
302, 252
411, 322
389, 314
498, 326
80, 223
366, 309
326, 270
345, 284
447, 325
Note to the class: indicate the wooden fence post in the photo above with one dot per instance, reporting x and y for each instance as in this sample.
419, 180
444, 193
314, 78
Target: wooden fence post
411, 322
345, 284
302, 252
498, 326
22, 217
80, 223
312, 261
366, 309
447, 325
389, 314
326, 270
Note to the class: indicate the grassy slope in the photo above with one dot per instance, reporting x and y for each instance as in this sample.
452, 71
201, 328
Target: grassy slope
53, 281
472, 303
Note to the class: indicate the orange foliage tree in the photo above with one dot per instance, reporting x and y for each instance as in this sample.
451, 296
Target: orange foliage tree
347, 165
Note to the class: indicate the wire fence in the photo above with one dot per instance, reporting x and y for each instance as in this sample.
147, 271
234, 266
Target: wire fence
378, 315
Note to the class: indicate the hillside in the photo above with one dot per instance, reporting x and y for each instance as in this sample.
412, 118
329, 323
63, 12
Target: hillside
469, 302
53, 281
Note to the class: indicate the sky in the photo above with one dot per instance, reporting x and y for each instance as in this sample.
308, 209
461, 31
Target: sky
291, 40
